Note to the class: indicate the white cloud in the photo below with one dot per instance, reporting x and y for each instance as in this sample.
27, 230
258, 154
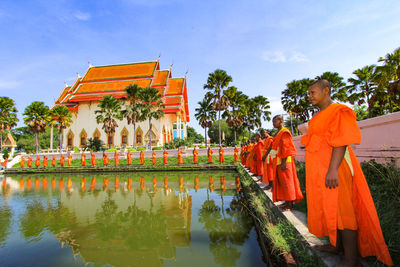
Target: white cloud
82, 15
280, 56
8, 84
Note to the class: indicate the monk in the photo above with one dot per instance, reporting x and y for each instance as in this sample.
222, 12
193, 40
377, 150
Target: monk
69, 160
339, 202
45, 161
141, 158
116, 158
37, 162
93, 159
258, 155
286, 185
106, 160
250, 156
236, 154
83, 159
221, 154
243, 154
129, 157
4, 164
209, 153
165, 156
53, 161
195, 155
62, 160
180, 158
29, 162
268, 175
154, 157
22, 162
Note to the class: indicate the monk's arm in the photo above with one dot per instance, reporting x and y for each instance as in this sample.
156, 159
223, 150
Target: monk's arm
266, 153
332, 177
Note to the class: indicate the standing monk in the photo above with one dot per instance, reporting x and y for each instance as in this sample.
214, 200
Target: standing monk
258, 155
180, 158
37, 163
268, 175
45, 161
29, 162
116, 158
195, 155
106, 161
62, 160
93, 159
83, 159
286, 184
154, 156
236, 154
165, 156
209, 153
22, 162
129, 157
338, 198
141, 158
221, 154
69, 160
53, 161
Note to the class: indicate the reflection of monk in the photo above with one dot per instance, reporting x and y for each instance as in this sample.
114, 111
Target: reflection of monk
338, 198
141, 158
165, 153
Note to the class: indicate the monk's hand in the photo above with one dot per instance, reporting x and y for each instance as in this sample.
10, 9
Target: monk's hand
332, 179
264, 157
283, 166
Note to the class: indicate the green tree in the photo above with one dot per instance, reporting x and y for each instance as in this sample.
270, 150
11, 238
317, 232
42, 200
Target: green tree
62, 118
37, 117
361, 112
133, 108
193, 136
295, 99
152, 107
216, 82
338, 86
8, 116
257, 109
110, 109
205, 115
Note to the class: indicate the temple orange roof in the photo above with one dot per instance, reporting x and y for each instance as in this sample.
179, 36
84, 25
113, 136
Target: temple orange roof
113, 79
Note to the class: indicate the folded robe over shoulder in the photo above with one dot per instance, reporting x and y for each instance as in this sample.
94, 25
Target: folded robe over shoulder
336, 126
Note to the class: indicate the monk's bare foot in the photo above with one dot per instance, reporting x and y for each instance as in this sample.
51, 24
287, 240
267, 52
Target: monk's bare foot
327, 248
281, 206
268, 187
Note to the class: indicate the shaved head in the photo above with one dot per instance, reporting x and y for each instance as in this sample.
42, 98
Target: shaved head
278, 117
322, 84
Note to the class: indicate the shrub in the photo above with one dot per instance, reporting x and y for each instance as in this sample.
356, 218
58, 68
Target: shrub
141, 149
6, 153
213, 145
131, 149
111, 150
202, 147
157, 148
76, 150
94, 144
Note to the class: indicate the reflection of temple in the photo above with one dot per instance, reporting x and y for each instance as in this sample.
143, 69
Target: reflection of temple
83, 97
135, 228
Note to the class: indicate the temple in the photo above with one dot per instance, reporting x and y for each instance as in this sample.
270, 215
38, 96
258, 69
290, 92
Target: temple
83, 97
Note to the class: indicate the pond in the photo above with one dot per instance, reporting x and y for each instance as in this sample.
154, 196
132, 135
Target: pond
142, 219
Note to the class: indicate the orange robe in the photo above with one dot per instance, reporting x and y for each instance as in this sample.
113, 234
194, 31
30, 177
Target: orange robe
350, 205
62, 160
93, 159
69, 161
116, 158
286, 186
268, 165
180, 159
29, 162
243, 155
210, 158
141, 157
106, 161
154, 157
129, 157
258, 154
221, 155
236, 154
53, 161
83, 160
165, 153
195, 156
37, 163
22, 162
249, 156
5, 163
45, 161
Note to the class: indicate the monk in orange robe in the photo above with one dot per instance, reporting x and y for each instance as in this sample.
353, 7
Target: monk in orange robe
62, 160
141, 157
37, 163
180, 158
258, 155
53, 161
93, 159
165, 156
250, 156
236, 154
69, 160
22, 162
195, 155
339, 202
5, 163
106, 160
154, 158
209, 153
83, 159
29, 162
286, 184
221, 154
129, 157
268, 175
116, 158
243, 154
45, 161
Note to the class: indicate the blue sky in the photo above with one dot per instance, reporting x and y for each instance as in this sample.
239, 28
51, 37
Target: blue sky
262, 44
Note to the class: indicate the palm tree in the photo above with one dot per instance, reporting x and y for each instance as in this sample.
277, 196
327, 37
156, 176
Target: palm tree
216, 82
152, 107
110, 109
257, 108
338, 87
295, 99
235, 117
363, 86
61, 118
37, 118
133, 108
205, 115
8, 116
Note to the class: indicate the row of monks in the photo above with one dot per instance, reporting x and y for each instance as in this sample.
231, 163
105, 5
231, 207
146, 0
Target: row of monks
106, 181
106, 160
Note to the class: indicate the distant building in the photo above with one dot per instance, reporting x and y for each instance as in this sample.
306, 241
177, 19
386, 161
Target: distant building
83, 97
